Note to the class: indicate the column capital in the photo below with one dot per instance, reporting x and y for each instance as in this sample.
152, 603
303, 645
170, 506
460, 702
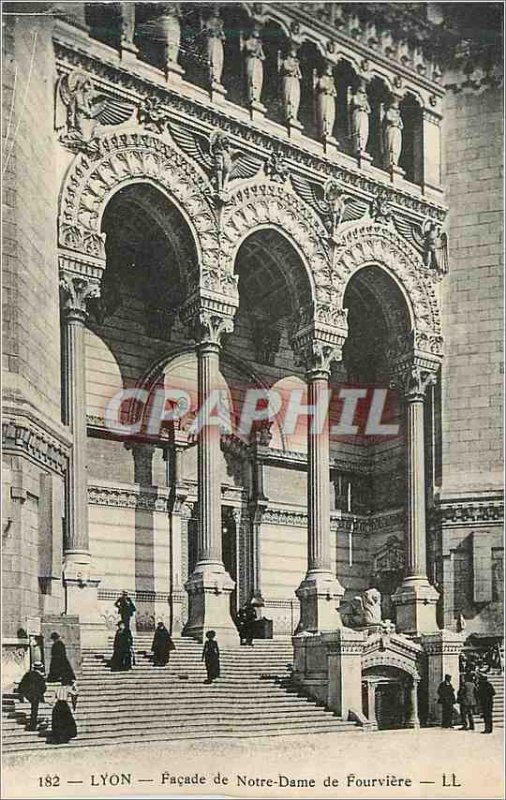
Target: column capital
415, 380
317, 354
209, 320
76, 291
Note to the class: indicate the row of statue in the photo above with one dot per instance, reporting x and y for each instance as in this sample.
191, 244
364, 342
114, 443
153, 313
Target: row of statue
165, 29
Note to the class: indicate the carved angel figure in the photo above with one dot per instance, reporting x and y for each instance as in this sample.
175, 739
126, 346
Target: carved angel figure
79, 108
435, 253
325, 92
429, 239
291, 75
366, 608
254, 56
391, 129
359, 108
215, 155
330, 202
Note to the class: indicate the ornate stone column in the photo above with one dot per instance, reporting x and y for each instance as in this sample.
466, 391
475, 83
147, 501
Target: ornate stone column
79, 582
416, 599
210, 586
320, 592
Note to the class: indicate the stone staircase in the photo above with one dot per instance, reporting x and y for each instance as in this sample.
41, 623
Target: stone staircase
496, 678
253, 697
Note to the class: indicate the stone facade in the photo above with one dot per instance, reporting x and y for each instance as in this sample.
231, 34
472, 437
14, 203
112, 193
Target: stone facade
194, 224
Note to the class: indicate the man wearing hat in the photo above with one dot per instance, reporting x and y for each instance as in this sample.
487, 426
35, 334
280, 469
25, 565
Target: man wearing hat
486, 694
126, 608
32, 687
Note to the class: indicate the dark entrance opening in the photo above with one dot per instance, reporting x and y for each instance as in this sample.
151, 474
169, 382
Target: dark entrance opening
229, 550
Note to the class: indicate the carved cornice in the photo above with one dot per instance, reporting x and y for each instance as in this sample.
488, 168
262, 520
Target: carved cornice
129, 497
21, 436
481, 511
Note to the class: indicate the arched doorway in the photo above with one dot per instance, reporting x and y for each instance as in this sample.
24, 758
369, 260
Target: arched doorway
387, 695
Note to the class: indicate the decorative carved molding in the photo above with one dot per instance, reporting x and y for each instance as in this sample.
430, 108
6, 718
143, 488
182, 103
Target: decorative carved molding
131, 497
470, 512
375, 244
315, 355
25, 437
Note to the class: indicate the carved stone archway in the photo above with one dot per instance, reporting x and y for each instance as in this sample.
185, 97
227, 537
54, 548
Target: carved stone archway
377, 245
271, 204
120, 159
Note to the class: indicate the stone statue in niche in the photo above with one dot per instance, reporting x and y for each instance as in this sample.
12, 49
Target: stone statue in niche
254, 56
391, 130
80, 108
360, 109
289, 69
213, 30
325, 93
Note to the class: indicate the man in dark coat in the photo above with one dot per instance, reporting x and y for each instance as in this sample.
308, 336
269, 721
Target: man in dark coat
486, 694
126, 608
32, 687
162, 646
59, 668
466, 697
446, 696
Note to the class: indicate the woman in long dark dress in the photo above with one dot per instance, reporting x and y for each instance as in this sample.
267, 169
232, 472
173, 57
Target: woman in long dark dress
63, 726
122, 650
211, 657
59, 668
162, 646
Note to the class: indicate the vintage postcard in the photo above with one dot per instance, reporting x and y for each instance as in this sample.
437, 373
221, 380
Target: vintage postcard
252, 519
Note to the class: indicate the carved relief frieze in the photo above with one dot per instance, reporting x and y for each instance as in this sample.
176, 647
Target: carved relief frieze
156, 106
25, 437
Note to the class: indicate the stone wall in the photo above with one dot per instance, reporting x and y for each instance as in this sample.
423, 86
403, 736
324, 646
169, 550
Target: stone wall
472, 311
472, 380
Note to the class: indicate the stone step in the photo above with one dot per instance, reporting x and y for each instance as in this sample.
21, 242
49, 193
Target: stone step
29, 745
